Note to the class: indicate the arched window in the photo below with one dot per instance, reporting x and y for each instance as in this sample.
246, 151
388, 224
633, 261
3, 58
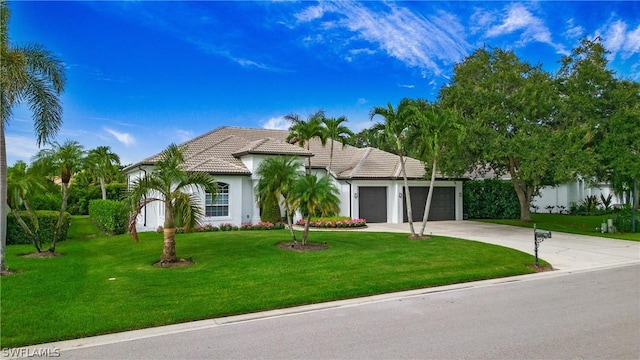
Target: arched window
220, 205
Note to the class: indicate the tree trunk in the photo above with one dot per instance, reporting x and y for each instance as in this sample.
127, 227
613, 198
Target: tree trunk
36, 227
63, 208
289, 222
305, 233
26, 229
523, 191
407, 196
330, 159
309, 158
169, 246
3, 197
103, 187
169, 231
427, 206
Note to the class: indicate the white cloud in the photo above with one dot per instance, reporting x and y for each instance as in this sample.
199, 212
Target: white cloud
617, 39
632, 45
311, 13
276, 123
573, 31
408, 86
125, 138
519, 18
20, 148
415, 40
361, 101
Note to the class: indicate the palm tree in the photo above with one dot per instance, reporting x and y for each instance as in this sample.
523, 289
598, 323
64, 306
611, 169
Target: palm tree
61, 160
277, 174
431, 131
395, 129
334, 130
303, 131
313, 196
22, 183
32, 74
102, 162
177, 190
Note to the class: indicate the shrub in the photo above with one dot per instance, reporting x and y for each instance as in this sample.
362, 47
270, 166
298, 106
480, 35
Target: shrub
46, 201
270, 212
329, 223
622, 220
490, 199
109, 215
47, 221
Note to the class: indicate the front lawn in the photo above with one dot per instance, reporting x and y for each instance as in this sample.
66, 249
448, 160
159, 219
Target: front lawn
107, 284
574, 224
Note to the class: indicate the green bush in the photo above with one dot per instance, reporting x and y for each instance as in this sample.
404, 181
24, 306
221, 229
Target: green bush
490, 199
109, 215
271, 212
46, 201
622, 220
47, 221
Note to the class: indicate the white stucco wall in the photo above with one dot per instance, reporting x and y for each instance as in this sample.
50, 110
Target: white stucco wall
566, 194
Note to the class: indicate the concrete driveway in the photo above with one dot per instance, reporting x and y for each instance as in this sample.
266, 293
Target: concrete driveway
563, 251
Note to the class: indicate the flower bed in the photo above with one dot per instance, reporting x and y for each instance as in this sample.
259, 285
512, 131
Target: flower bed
332, 224
230, 227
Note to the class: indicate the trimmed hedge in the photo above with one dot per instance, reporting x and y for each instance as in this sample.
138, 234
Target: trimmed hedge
490, 199
109, 215
47, 221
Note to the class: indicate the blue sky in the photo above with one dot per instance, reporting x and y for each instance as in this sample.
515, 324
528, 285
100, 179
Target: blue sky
144, 74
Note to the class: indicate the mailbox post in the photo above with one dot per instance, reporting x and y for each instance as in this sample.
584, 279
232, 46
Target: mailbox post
538, 237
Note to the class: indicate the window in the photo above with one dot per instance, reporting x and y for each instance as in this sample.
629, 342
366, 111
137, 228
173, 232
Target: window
219, 206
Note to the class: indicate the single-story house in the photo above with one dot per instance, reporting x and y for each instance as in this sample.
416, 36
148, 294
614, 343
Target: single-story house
369, 180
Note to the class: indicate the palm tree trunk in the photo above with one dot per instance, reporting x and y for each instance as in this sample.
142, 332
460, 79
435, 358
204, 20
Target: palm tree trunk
309, 158
330, 159
427, 206
169, 231
407, 196
63, 209
103, 187
169, 246
288, 215
3, 197
26, 229
305, 233
36, 227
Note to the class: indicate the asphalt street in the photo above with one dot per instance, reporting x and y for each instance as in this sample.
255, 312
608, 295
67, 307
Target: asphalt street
590, 314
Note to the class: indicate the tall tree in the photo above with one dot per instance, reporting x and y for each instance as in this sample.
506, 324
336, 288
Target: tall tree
511, 110
23, 183
33, 75
335, 131
102, 162
63, 160
394, 129
433, 129
177, 190
302, 132
277, 175
312, 195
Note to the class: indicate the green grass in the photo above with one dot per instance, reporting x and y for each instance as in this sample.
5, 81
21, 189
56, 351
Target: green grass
584, 225
234, 272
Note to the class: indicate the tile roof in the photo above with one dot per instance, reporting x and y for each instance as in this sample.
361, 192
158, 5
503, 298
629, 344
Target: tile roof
219, 152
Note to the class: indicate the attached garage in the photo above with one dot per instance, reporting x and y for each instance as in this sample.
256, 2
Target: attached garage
443, 203
372, 202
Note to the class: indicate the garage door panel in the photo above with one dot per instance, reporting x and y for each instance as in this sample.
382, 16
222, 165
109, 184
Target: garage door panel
372, 202
442, 203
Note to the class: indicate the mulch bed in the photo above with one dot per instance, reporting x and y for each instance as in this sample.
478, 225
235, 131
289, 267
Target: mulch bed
42, 255
540, 268
178, 264
297, 246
